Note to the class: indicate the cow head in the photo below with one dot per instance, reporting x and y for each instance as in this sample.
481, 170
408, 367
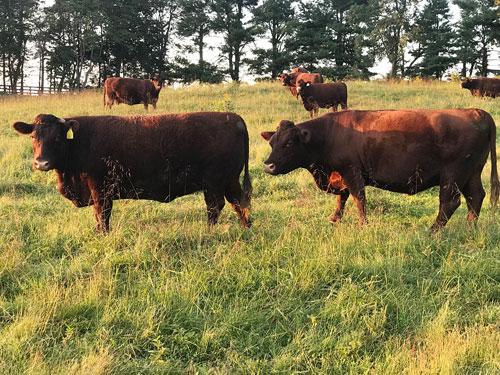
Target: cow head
157, 80
50, 136
286, 79
467, 83
289, 148
303, 87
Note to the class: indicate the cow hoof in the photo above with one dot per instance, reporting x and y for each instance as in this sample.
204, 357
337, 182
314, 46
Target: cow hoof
335, 220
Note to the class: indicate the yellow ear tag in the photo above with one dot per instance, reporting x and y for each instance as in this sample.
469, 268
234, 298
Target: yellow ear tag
69, 134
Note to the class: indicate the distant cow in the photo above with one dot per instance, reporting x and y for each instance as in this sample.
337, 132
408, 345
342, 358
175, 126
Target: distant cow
132, 91
482, 86
401, 151
322, 95
99, 159
291, 79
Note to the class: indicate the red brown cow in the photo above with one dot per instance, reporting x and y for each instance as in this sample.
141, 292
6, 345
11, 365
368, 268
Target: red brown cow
290, 80
132, 91
482, 86
99, 159
322, 95
401, 151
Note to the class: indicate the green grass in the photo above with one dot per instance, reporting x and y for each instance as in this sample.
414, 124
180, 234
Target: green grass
164, 294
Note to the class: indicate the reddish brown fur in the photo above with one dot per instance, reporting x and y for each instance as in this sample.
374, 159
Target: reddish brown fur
132, 91
322, 95
482, 86
290, 80
159, 157
401, 151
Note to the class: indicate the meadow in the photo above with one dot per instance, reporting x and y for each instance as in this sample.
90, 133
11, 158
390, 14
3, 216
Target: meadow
164, 294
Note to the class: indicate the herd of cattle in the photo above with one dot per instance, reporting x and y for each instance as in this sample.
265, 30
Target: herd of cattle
99, 159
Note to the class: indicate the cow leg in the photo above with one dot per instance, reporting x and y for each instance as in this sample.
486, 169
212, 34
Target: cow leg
154, 104
233, 196
343, 105
355, 183
103, 204
474, 194
215, 204
449, 201
146, 106
339, 210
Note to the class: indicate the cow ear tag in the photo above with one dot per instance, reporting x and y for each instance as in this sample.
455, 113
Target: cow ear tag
69, 134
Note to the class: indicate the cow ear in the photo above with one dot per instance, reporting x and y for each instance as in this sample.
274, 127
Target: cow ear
22, 127
73, 124
267, 135
305, 136
72, 127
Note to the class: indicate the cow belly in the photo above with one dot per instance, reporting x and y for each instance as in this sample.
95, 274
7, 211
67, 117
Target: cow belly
160, 187
414, 184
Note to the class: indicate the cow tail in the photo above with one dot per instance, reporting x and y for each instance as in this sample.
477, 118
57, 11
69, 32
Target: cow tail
247, 184
495, 184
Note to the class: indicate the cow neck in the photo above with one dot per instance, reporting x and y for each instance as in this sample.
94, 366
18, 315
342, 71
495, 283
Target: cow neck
317, 140
65, 171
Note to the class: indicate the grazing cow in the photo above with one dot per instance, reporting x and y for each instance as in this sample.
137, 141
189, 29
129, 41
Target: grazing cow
291, 79
99, 159
401, 151
482, 86
322, 95
132, 91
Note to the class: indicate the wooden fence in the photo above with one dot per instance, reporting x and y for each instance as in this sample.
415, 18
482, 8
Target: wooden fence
28, 90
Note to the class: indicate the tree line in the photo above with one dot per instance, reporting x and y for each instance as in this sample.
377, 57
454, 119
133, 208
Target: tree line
79, 43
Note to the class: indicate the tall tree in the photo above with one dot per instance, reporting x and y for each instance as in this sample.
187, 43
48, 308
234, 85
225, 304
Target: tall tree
272, 21
15, 33
196, 22
229, 21
479, 28
332, 36
74, 40
433, 36
392, 31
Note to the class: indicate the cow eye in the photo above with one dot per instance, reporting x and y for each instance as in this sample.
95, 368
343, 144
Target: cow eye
58, 138
289, 144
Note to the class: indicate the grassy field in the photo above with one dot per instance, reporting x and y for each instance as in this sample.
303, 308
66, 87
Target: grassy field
164, 294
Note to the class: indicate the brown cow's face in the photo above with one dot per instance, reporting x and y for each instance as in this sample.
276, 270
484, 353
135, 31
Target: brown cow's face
288, 145
303, 87
49, 136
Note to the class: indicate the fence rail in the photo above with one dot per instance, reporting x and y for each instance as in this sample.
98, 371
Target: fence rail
29, 90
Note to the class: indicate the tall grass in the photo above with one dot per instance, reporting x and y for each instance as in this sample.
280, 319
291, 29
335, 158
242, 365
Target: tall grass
164, 294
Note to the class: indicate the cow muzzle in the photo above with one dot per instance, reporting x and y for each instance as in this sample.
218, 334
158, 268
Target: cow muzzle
41, 165
270, 168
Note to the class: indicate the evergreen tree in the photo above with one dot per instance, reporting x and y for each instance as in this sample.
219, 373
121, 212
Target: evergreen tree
196, 24
332, 36
237, 35
479, 31
273, 21
392, 31
433, 35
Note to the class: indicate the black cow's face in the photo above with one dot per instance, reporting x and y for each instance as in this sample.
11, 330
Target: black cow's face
50, 136
289, 151
157, 81
285, 79
467, 83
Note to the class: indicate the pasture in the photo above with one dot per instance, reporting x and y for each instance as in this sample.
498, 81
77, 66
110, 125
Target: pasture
164, 294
